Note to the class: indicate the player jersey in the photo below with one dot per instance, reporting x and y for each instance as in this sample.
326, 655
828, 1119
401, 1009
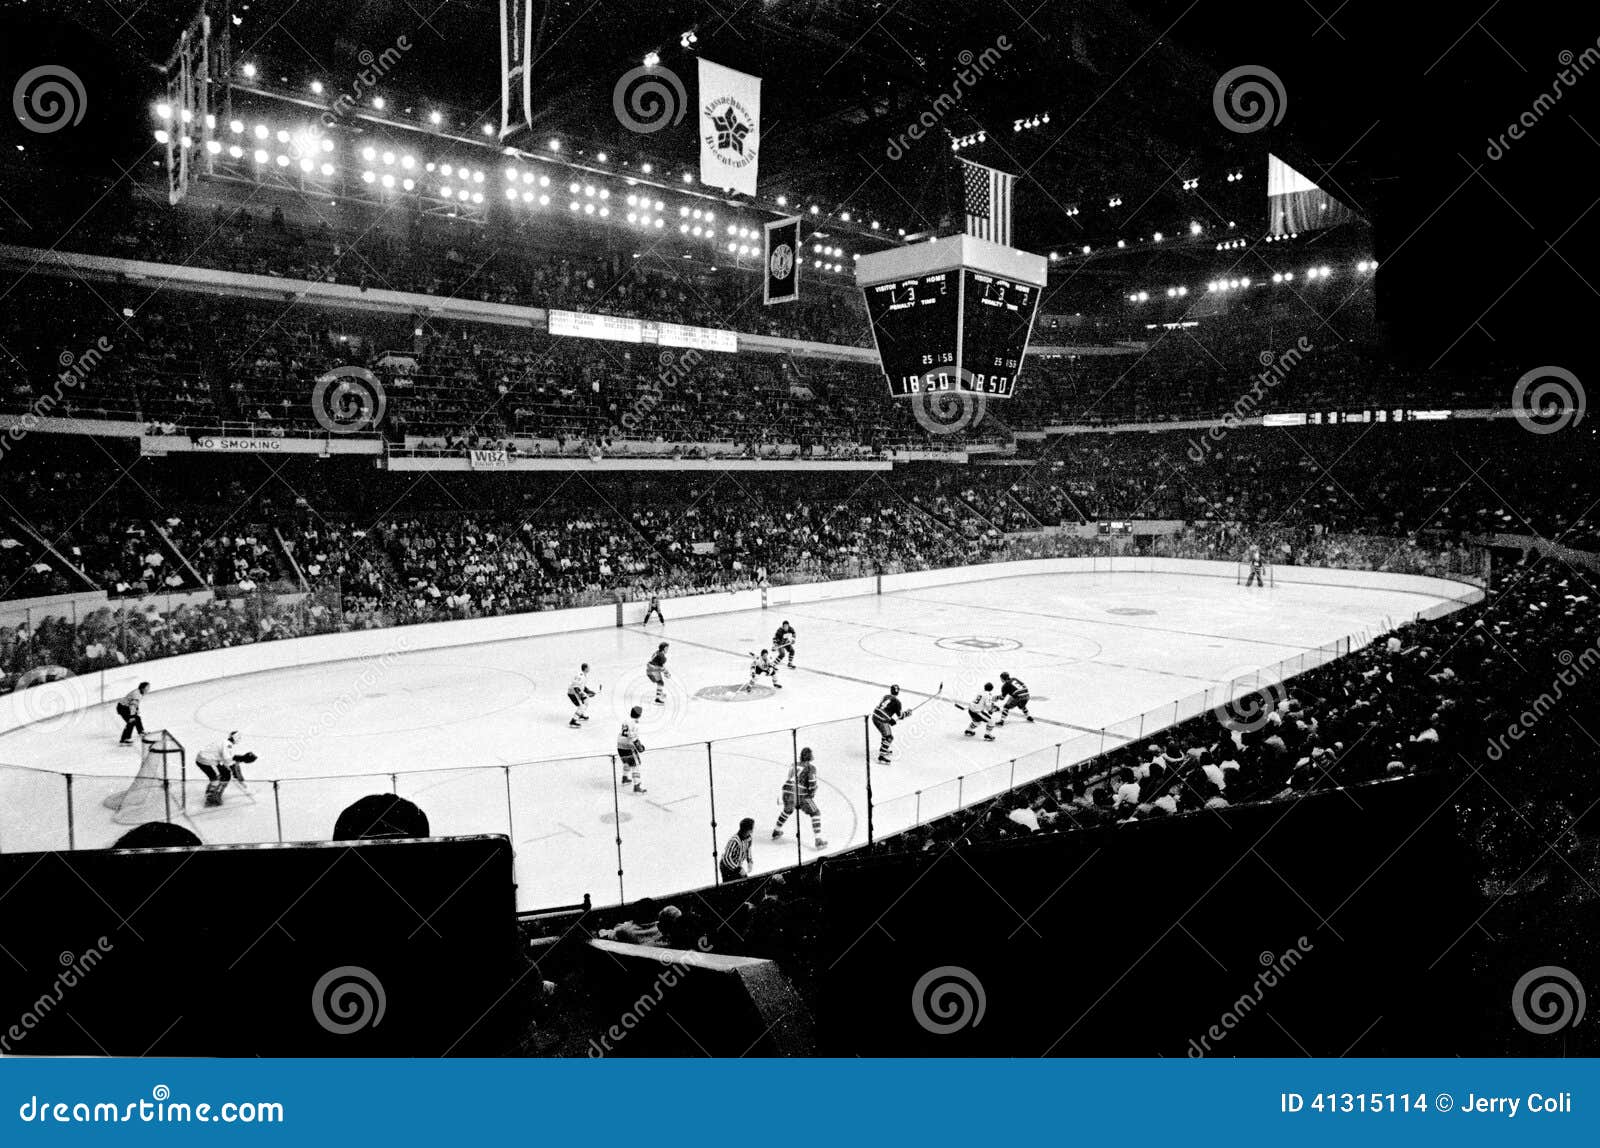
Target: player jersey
131, 702
580, 683
983, 703
659, 659
802, 781
1014, 688
628, 737
783, 636
889, 708
1257, 562
218, 754
761, 665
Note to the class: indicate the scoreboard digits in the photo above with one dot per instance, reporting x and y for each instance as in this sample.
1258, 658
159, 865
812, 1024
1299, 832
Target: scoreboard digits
920, 322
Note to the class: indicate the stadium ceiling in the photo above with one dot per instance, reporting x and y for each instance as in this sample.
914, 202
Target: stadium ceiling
1127, 89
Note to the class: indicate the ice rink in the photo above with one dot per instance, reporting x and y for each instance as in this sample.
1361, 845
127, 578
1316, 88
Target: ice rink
479, 736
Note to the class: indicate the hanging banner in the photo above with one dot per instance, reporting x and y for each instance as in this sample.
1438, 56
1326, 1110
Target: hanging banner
781, 275
730, 127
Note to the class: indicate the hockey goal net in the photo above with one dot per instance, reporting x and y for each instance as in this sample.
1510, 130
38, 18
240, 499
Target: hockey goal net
1243, 575
158, 788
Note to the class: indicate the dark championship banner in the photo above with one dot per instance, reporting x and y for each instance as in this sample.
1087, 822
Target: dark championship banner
781, 276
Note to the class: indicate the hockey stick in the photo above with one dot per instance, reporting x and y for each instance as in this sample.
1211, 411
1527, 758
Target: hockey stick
925, 701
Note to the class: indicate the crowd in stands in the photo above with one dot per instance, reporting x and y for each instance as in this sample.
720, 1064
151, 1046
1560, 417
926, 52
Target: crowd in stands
1430, 695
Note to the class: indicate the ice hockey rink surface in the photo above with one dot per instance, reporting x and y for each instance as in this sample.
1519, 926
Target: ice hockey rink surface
478, 735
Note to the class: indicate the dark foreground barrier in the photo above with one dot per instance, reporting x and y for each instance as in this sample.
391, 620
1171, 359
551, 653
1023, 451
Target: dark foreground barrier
1329, 925
334, 949
674, 1002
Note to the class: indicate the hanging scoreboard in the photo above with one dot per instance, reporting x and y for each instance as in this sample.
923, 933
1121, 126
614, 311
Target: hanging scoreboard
953, 314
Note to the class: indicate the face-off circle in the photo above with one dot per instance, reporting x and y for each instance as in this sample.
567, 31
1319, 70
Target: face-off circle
978, 644
735, 693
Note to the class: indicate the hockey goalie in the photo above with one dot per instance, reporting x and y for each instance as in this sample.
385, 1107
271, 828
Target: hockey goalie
221, 764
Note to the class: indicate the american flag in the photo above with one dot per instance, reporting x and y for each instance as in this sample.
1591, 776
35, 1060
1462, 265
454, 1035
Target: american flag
988, 202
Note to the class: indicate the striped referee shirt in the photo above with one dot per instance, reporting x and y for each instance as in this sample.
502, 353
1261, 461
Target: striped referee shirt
735, 856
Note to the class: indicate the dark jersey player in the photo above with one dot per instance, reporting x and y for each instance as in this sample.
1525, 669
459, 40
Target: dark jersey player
783, 643
883, 720
656, 670
1013, 696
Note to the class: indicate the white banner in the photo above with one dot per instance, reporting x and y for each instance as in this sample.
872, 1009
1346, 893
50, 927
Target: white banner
490, 459
730, 127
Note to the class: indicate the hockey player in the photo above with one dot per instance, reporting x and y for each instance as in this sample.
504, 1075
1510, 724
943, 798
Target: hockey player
763, 665
981, 711
579, 693
656, 670
783, 643
1014, 695
631, 750
220, 763
884, 719
1258, 564
654, 609
128, 711
800, 792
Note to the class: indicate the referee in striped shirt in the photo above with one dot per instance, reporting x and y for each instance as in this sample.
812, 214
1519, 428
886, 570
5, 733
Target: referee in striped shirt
736, 853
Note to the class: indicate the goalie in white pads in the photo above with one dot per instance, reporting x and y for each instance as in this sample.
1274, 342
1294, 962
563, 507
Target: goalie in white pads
220, 763
579, 693
631, 750
763, 665
981, 710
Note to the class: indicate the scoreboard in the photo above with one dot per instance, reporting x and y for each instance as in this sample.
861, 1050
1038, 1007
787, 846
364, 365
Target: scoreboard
954, 314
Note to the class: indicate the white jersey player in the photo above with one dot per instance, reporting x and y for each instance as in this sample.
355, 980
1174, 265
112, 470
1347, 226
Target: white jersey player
631, 750
220, 763
981, 710
763, 665
579, 693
